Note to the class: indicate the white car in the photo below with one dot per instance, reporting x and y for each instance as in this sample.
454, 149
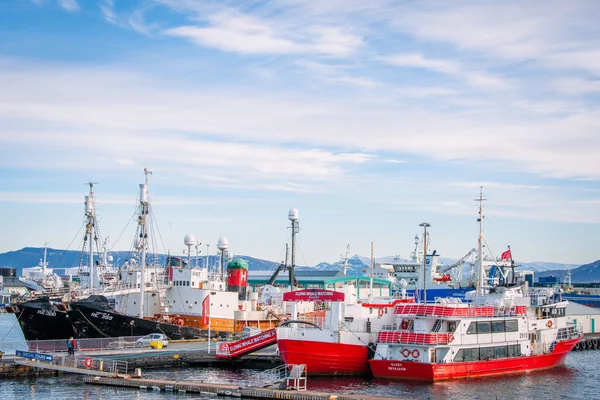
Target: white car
153, 337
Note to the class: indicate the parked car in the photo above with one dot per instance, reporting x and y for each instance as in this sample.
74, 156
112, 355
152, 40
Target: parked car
153, 337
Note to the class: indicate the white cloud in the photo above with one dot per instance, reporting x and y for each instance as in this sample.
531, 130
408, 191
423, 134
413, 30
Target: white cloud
236, 32
107, 7
97, 100
473, 78
335, 74
418, 61
69, 5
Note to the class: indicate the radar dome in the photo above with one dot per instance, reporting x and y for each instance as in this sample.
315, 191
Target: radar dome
189, 240
293, 214
222, 243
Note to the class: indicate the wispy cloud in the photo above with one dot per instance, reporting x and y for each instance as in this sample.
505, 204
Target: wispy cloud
107, 7
474, 78
335, 74
235, 32
69, 5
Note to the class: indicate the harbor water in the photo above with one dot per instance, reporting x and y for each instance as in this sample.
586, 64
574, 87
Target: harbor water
576, 380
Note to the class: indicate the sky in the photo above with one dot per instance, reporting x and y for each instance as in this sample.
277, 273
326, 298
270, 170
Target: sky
369, 117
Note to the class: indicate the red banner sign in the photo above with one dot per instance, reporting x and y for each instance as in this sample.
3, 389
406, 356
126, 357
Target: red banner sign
313, 295
206, 310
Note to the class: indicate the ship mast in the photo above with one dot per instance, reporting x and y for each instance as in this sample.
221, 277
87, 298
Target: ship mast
90, 227
372, 262
44, 264
144, 210
480, 272
293, 216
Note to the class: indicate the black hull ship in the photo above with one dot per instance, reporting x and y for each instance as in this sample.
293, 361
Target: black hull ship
94, 317
40, 319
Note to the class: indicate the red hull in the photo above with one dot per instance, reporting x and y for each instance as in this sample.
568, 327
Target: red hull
323, 358
463, 370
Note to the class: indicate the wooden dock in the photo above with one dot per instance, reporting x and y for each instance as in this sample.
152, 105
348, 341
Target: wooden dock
214, 390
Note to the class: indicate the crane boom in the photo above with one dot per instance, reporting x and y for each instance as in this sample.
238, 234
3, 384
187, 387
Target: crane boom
460, 261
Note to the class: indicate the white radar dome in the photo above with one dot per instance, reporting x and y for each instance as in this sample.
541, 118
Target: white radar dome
189, 240
222, 243
293, 214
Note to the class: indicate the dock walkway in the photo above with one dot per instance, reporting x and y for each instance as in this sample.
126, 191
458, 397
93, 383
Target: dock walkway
212, 389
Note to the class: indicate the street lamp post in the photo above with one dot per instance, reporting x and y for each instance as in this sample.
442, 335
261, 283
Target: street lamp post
424, 225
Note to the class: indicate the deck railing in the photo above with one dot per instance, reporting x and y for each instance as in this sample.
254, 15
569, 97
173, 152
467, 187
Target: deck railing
414, 338
458, 311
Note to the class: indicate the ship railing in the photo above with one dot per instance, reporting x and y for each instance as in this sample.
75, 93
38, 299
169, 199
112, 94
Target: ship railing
414, 337
56, 346
459, 310
572, 331
540, 299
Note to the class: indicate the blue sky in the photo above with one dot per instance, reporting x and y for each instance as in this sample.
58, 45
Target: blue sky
369, 117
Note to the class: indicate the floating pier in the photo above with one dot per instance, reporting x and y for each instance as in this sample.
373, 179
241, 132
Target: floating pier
214, 390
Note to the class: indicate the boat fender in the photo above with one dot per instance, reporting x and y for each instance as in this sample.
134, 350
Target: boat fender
549, 324
416, 353
381, 312
179, 321
371, 352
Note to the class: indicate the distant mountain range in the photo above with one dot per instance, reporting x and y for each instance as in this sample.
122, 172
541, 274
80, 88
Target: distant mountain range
357, 265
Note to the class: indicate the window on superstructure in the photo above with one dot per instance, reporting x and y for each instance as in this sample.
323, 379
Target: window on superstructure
472, 330
497, 326
561, 312
451, 326
484, 327
511, 325
471, 354
486, 353
514, 350
460, 356
500, 352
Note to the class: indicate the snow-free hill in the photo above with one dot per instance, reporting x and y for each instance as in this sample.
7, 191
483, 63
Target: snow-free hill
585, 273
358, 265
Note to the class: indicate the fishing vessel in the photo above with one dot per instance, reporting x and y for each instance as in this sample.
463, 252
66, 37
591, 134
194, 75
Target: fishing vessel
503, 330
42, 319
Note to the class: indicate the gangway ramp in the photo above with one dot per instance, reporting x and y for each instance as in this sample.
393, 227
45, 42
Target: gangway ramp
76, 365
246, 346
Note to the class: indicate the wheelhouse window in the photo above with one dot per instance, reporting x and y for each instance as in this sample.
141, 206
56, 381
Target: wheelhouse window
451, 326
497, 326
512, 325
472, 330
484, 327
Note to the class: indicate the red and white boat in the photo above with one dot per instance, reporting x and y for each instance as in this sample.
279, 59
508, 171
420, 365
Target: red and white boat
504, 330
501, 332
339, 339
